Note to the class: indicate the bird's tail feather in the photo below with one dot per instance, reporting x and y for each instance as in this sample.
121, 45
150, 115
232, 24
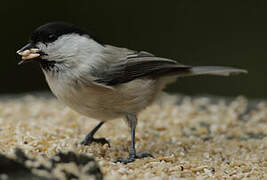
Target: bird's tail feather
212, 70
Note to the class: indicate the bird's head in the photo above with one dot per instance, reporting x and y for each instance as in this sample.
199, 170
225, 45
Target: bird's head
58, 42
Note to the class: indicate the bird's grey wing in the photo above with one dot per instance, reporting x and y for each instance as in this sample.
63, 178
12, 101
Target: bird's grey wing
139, 65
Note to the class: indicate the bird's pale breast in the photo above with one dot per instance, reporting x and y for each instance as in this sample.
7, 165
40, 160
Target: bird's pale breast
104, 103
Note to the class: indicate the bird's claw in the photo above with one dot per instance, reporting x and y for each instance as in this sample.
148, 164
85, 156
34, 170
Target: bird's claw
133, 157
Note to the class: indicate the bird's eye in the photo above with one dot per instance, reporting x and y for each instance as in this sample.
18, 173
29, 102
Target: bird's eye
52, 37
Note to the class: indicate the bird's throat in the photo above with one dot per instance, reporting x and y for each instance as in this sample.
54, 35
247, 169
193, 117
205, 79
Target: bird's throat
47, 65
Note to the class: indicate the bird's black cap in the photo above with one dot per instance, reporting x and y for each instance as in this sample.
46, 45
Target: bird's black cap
51, 31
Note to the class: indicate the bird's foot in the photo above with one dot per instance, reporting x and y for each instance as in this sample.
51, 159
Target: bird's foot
132, 157
89, 140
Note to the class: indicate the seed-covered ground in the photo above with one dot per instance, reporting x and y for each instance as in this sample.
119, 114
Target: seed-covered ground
190, 138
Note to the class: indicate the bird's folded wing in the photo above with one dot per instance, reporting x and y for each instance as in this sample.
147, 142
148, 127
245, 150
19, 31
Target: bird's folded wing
139, 65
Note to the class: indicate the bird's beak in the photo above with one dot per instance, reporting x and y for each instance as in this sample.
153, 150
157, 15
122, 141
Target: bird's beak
28, 53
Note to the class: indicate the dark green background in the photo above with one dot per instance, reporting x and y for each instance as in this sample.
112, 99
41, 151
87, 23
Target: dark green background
210, 32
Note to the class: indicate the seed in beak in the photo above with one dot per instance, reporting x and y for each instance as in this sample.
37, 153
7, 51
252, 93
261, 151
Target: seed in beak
34, 50
30, 56
24, 53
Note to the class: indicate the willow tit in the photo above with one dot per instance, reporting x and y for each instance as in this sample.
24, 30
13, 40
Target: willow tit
103, 81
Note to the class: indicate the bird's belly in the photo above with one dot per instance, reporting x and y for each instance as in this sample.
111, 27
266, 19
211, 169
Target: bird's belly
88, 102
104, 103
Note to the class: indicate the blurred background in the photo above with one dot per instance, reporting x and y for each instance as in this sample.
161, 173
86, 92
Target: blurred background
229, 33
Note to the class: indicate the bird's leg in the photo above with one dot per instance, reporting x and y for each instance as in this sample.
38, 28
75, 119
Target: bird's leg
132, 122
90, 137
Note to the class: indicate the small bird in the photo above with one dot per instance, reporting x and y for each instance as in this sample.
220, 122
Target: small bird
101, 81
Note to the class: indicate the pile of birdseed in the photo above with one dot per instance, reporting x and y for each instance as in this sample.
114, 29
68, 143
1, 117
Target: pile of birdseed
189, 137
